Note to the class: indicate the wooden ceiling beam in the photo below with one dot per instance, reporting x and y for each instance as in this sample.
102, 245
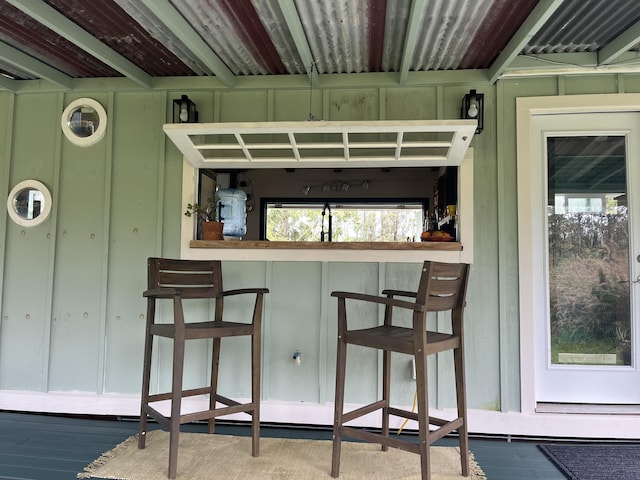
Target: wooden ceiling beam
534, 22
64, 27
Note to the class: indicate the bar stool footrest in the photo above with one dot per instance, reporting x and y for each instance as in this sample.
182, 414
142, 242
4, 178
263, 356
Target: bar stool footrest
373, 437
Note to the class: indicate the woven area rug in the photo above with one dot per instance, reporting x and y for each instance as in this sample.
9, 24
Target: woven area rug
202, 456
595, 461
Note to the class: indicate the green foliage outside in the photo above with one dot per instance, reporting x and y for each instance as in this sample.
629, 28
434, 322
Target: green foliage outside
589, 284
305, 225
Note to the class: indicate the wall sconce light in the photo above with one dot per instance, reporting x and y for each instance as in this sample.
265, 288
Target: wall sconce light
184, 110
473, 108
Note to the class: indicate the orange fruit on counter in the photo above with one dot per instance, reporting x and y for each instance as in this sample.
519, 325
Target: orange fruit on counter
425, 234
439, 233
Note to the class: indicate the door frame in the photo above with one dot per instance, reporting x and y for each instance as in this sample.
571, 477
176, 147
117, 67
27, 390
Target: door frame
526, 107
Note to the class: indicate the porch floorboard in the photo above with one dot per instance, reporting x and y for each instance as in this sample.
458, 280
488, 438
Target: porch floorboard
48, 447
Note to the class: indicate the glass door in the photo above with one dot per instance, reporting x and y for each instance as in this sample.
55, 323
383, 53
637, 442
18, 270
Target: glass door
586, 347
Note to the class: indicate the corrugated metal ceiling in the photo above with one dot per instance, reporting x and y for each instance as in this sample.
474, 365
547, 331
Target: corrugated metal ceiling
63, 40
580, 26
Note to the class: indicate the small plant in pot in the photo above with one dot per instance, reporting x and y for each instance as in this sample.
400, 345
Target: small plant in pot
623, 341
207, 216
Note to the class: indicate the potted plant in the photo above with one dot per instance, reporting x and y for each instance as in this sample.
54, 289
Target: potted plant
207, 216
623, 340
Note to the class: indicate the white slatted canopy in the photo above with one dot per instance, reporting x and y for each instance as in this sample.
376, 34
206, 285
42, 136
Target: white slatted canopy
323, 144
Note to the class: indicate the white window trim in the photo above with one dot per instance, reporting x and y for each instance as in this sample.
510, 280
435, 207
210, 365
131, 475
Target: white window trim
526, 107
194, 140
465, 228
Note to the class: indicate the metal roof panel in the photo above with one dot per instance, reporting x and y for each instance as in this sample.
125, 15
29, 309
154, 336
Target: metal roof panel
22, 32
112, 25
584, 26
143, 39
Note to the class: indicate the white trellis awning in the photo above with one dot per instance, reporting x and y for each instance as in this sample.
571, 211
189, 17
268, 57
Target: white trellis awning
323, 144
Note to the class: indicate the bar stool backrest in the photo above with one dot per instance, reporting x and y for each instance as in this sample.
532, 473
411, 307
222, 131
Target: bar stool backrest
442, 286
195, 278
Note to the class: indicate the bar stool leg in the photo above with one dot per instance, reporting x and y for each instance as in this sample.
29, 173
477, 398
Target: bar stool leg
215, 368
255, 392
463, 433
176, 401
386, 394
423, 413
146, 377
341, 363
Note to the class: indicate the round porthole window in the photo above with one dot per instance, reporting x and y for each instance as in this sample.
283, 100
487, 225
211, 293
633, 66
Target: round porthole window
29, 203
84, 122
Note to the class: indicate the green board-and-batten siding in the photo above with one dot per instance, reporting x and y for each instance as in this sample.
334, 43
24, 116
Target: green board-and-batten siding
72, 313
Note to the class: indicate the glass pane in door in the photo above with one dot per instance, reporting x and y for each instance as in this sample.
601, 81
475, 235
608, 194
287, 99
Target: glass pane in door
588, 251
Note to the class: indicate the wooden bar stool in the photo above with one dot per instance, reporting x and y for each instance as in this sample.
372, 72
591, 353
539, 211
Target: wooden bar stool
442, 287
178, 280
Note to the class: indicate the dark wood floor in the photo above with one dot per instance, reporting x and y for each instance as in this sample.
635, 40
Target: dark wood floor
44, 447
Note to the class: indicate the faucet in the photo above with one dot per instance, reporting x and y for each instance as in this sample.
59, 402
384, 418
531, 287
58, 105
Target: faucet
324, 211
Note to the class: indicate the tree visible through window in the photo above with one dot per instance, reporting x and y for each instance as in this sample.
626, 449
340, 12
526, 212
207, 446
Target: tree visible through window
588, 251
343, 222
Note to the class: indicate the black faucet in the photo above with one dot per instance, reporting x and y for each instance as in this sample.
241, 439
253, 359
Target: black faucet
324, 211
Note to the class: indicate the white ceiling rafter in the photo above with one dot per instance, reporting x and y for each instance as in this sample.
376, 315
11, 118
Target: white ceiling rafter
620, 45
175, 22
323, 144
32, 66
417, 6
294, 24
64, 27
540, 14
238, 45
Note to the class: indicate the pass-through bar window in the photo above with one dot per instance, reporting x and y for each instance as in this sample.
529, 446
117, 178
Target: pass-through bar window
317, 220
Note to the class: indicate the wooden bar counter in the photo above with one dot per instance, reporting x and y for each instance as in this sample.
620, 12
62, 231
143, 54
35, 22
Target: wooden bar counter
324, 251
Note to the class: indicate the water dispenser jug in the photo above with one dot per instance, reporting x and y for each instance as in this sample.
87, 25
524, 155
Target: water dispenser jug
231, 204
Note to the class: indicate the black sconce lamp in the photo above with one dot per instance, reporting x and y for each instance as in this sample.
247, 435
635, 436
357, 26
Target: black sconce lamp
473, 108
184, 110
